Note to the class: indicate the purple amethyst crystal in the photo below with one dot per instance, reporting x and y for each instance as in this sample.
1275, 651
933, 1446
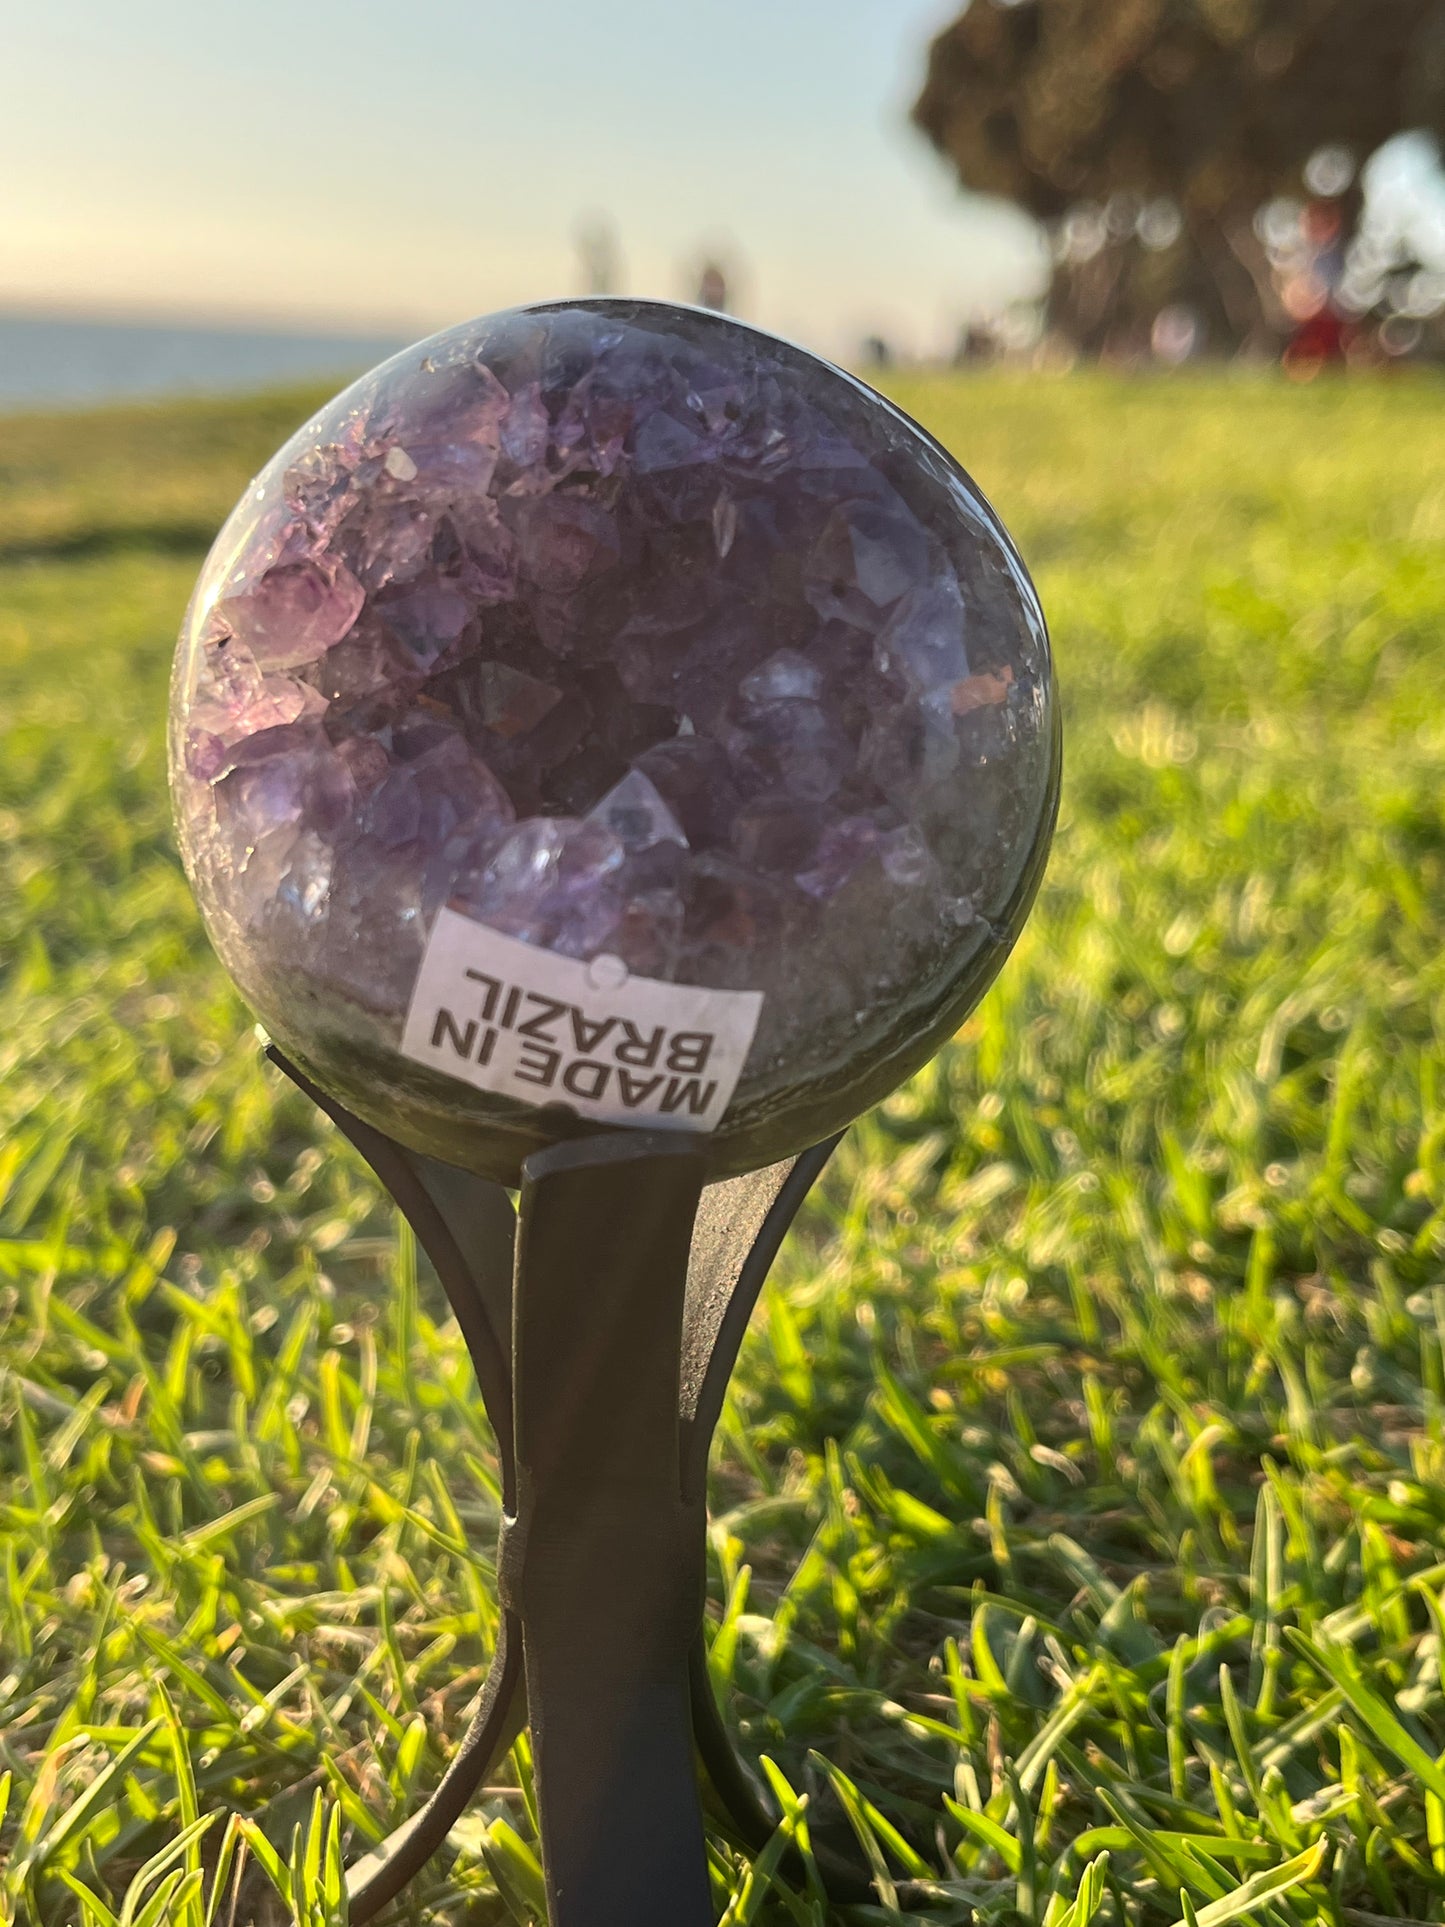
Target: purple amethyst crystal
612, 651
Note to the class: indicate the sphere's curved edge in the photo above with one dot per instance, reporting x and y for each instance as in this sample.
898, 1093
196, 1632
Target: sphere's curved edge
931, 526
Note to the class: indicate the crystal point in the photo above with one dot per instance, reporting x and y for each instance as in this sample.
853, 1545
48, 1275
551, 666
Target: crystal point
637, 816
296, 612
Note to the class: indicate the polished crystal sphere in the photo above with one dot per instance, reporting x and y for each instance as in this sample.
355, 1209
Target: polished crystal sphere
605, 713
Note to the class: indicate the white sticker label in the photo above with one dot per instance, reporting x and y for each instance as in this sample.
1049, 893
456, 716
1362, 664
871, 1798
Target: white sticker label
512, 1018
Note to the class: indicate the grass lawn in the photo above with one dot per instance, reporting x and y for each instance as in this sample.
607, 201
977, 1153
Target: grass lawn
1081, 1499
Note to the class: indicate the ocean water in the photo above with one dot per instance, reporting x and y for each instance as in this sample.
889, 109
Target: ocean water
61, 361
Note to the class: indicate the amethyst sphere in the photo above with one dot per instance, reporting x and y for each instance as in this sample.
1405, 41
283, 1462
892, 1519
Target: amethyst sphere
607, 714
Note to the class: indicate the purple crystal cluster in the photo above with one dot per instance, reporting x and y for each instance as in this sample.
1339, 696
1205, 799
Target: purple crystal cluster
623, 630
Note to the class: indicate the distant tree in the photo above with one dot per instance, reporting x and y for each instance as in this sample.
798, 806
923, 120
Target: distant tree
1148, 134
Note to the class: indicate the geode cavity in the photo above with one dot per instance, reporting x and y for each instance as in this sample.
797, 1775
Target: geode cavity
633, 634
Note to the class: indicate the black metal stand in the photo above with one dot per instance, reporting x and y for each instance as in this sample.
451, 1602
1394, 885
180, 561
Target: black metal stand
603, 1315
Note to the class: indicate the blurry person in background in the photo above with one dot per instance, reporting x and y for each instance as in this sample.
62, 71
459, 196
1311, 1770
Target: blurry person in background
1322, 334
599, 254
1175, 335
977, 346
712, 285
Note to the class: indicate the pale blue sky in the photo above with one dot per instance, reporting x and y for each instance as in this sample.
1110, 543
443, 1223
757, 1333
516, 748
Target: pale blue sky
365, 162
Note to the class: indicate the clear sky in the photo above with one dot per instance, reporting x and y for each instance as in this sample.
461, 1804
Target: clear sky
379, 164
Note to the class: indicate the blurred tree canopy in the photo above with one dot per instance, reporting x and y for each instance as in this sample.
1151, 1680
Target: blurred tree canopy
1148, 134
